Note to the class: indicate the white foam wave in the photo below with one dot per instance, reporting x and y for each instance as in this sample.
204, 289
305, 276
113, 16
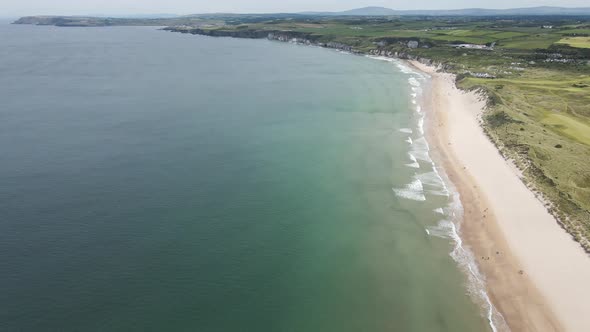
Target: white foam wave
449, 230
445, 189
421, 144
421, 125
406, 130
414, 163
435, 184
446, 229
422, 155
409, 140
420, 150
413, 191
442, 230
432, 180
403, 68
408, 70
381, 58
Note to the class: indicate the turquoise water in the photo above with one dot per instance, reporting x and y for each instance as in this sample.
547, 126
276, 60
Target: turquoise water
154, 181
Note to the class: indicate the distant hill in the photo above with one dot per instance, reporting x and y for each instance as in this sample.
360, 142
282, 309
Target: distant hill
382, 11
164, 15
366, 11
171, 19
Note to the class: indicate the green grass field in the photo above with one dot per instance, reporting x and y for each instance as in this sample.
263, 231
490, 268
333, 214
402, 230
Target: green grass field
575, 128
546, 130
579, 42
530, 42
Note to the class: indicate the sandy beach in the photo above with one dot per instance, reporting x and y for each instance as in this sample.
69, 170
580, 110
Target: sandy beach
536, 275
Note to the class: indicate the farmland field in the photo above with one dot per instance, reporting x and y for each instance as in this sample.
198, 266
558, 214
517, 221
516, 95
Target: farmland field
580, 42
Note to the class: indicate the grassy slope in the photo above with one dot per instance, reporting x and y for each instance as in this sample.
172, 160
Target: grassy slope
541, 121
580, 42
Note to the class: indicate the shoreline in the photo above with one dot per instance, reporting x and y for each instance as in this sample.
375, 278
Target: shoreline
448, 228
535, 274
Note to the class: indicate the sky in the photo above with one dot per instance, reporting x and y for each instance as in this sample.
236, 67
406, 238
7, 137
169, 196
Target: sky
122, 7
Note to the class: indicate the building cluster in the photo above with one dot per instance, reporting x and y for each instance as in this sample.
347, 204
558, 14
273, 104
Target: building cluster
482, 75
476, 46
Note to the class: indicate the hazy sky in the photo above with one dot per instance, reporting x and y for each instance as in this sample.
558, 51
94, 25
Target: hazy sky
74, 7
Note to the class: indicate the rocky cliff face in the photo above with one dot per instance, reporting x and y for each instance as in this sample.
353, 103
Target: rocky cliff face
301, 38
308, 39
37, 20
252, 34
62, 21
294, 37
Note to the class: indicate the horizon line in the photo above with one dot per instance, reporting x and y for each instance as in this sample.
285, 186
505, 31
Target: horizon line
164, 14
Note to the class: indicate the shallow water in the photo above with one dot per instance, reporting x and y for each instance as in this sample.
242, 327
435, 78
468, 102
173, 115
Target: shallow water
160, 181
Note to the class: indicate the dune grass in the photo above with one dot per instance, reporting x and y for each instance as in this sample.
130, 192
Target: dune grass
579, 42
545, 129
530, 42
575, 128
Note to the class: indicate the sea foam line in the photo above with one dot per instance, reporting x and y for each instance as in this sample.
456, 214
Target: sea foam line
462, 256
421, 125
381, 58
447, 228
420, 149
433, 180
414, 191
414, 163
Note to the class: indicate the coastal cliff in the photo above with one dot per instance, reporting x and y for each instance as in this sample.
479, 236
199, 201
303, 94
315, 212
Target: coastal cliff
302, 38
87, 21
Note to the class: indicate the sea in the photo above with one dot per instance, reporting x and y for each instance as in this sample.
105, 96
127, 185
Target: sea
156, 181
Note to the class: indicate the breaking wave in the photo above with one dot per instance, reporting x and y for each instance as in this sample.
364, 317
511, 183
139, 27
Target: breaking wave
414, 191
447, 229
414, 163
420, 150
406, 130
432, 183
439, 211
